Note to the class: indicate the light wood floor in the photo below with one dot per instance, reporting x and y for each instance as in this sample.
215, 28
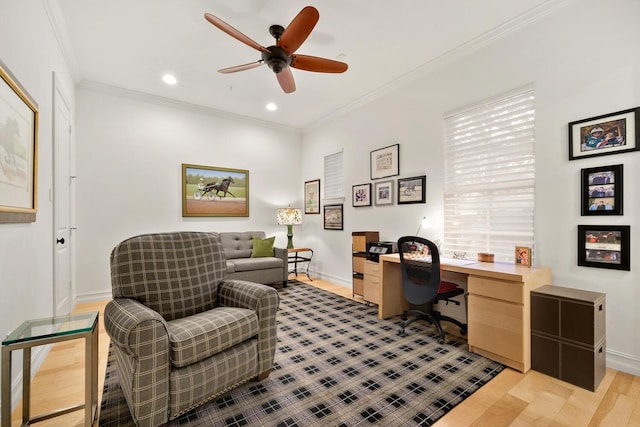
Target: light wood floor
510, 399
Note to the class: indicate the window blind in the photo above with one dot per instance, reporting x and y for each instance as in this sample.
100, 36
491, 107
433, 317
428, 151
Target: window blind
333, 178
489, 190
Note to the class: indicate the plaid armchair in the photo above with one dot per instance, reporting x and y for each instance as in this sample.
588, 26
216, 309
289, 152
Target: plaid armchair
181, 333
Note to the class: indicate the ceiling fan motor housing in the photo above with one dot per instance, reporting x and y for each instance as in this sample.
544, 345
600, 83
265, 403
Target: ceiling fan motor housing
276, 58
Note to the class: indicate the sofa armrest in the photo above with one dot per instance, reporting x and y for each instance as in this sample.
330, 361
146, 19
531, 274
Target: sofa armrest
264, 300
283, 254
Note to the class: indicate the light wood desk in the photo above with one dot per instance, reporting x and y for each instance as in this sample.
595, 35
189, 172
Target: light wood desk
499, 311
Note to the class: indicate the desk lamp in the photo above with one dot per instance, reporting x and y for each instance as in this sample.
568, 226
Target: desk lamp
289, 217
424, 223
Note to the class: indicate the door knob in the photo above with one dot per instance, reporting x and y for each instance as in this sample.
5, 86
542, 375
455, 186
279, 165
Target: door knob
61, 241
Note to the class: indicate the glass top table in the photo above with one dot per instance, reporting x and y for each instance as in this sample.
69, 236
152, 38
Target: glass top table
50, 330
52, 327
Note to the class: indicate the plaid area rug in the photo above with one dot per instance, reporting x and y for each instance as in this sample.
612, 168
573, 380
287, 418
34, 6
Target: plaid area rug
337, 364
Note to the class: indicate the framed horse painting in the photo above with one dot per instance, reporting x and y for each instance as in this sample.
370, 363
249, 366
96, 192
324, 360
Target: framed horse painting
214, 191
18, 151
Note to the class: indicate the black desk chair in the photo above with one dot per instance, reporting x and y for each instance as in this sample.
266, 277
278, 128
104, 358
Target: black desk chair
421, 284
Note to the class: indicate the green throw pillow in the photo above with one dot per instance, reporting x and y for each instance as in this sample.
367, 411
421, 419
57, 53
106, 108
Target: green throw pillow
262, 247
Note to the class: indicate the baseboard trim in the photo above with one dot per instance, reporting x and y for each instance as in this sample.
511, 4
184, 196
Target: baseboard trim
93, 296
623, 362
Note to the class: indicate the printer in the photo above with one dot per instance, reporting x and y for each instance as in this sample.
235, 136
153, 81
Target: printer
375, 249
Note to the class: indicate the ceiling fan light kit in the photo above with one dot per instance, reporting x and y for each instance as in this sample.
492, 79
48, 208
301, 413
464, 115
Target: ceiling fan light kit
281, 57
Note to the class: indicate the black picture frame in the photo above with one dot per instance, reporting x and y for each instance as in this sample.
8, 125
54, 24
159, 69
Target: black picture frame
412, 190
604, 246
361, 195
385, 162
618, 133
333, 217
602, 190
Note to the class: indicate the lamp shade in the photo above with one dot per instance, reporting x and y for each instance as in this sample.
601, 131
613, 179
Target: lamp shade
289, 216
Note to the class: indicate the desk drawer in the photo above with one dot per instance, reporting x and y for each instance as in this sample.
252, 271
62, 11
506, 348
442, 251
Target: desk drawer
372, 282
498, 289
497, 327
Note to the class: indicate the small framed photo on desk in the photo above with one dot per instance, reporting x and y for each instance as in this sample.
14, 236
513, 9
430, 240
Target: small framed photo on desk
523, 255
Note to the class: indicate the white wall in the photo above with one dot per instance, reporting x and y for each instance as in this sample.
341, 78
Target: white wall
29, 50
582, 63
130, 149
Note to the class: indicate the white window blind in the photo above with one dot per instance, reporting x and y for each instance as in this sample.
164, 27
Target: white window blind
490, 178
333, 178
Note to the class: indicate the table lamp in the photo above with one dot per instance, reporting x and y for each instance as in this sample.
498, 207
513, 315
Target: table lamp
424, 223
289, 217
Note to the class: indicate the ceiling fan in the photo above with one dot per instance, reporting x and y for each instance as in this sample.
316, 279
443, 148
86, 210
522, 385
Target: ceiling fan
281, 56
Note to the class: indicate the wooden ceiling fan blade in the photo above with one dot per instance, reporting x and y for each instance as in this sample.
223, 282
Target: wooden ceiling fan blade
285, 78
299, 29
233, 32
241, 67
319, 65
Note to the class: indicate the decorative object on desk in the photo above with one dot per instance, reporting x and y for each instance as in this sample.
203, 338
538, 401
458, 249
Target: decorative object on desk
312, 197
602, 190
333, 218
412, 190
423, 225
604, 246
485, 257
385, 162
361, 195
214, 191
289, 217
607, 134
335, 377
459, 255
383, 193
18, 151
523, 255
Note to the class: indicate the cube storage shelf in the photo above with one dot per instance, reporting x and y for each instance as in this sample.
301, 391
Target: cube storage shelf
568, 335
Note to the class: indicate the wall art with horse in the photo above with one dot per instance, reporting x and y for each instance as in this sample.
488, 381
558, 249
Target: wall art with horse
214, 191
18, 151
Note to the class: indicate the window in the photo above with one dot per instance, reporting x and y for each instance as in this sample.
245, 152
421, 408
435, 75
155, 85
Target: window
333, 178
489, 195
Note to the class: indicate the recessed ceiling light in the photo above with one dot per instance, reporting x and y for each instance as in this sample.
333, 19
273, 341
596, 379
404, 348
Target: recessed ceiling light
169, 79
271, 106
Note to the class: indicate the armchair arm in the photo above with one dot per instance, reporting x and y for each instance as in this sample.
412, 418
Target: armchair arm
141, 342
264, 300
283, 254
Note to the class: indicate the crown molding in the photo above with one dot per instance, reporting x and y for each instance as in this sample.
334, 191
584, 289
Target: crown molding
186, 106
521, 21
59, 28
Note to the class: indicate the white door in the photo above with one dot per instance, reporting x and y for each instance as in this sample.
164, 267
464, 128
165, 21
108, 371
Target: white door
62, 202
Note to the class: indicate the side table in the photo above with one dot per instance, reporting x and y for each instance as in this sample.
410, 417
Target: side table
33, 333
297, 258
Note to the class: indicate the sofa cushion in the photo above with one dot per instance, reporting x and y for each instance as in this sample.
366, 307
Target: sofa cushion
202, 335
262, 247
250, 264
239, 244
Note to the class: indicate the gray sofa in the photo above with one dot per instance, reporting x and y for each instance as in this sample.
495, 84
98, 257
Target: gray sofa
237, 249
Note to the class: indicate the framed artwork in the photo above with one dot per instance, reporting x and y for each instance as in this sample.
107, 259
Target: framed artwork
312, 197
214, 191
383, 193
18, 151
385, 162
604, 246
523, 255
412, 190
333, 217
608, 134
361, 195
602, 191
